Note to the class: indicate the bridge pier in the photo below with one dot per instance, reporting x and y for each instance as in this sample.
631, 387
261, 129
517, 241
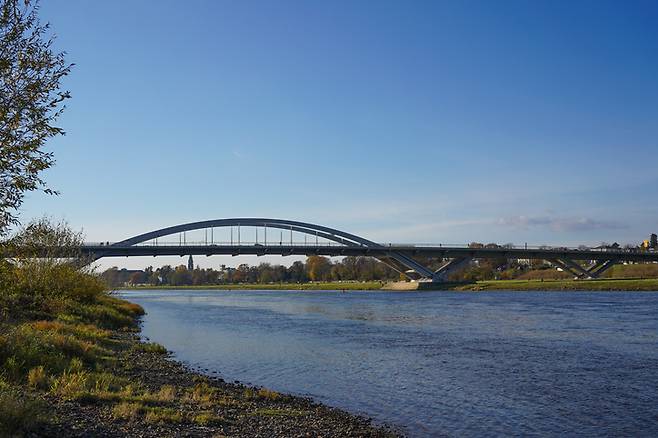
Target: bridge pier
448, 268
593, 271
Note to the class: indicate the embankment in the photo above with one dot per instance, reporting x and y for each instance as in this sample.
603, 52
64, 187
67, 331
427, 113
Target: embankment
606, 284
72, 364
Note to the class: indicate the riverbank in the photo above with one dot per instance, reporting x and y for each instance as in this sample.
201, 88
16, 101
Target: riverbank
135, 389
72, 364
606, 284
335, 285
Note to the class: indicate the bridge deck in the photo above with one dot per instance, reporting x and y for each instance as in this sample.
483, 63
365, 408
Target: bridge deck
381, 251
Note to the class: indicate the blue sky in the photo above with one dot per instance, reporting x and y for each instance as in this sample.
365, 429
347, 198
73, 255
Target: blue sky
452, 122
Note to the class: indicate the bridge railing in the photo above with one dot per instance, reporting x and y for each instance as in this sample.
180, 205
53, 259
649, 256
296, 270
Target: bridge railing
387, 245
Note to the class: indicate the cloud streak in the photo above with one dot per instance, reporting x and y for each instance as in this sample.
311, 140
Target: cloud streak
561, 224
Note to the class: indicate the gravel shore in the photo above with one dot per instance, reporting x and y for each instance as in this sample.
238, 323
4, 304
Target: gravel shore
235, 409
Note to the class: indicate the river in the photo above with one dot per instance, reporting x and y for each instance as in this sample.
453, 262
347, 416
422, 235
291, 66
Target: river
432, 363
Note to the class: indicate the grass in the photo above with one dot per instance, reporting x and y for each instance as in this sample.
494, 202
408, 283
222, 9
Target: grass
208, 419
127, 411
162, 415
604, 284
152, 347
56, 337
65, 338
266, 412
19, 414
262, 394
336, 285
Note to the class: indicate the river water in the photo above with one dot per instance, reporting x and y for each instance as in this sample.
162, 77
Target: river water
432, 363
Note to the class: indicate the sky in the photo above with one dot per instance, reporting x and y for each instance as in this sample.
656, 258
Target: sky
427, 122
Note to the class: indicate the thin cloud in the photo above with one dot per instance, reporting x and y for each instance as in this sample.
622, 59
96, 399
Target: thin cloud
563, 224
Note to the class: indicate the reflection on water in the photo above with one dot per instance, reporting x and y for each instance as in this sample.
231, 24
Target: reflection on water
434, 363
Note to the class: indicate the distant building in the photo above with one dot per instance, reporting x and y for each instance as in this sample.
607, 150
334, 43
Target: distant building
190, 264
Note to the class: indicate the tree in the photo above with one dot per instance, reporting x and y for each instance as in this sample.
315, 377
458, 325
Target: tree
30, 103
318, 268
138, 277
181, 276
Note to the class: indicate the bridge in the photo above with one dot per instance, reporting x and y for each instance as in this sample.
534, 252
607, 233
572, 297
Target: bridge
321, 240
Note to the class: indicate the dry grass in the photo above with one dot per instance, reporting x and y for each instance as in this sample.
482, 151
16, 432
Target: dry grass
37, 378
262, 394
167, 393
202, 393
208, 419
267, 394
127, 411
163, 415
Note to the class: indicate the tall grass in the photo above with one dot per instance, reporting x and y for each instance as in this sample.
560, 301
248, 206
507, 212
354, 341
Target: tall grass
55, 326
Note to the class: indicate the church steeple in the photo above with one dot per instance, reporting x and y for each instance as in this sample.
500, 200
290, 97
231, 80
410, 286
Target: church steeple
190, 264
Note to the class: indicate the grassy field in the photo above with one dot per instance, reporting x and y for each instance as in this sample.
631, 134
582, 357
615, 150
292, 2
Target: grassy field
606, 284
352, 285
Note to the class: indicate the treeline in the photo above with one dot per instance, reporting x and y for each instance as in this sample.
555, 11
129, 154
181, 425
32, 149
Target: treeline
315, 268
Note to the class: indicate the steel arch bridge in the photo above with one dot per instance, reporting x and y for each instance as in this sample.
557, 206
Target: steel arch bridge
341, 243
396, 260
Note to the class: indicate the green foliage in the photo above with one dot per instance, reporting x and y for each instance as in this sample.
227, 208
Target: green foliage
316, 268
30, 75
44, 287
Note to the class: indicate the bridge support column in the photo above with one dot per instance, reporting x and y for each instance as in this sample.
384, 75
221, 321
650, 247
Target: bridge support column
399, 267
571, 267
451, 266
594, 271
599, 268
411, 264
